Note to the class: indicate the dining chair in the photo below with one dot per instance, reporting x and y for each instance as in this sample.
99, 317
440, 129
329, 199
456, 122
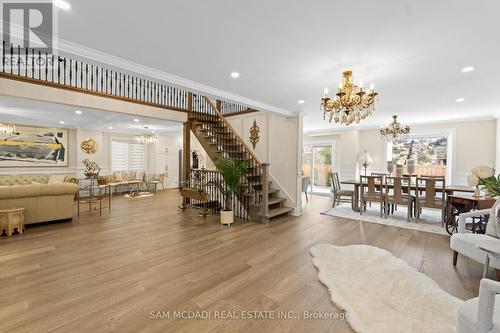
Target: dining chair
306, 181
401, 194
430, 185
158, 179
340, 195
369, 193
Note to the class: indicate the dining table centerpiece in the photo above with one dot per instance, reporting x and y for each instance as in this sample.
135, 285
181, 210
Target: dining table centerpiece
484, 177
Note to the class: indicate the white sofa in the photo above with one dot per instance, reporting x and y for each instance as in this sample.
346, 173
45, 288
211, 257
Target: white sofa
464, 242
480, 315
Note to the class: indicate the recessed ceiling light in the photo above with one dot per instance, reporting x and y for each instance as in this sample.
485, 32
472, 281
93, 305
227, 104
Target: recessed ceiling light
110, 127
62, 4
235, 75
136, 120
301, 101
460, 100
61, 122
468, 69
78, 112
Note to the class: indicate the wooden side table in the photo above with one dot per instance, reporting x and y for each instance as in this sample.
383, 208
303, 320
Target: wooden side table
11, 219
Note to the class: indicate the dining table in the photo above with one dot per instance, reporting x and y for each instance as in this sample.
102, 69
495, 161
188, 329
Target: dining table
449, 189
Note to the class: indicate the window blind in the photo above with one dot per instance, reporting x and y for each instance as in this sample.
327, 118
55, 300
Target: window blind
127, 156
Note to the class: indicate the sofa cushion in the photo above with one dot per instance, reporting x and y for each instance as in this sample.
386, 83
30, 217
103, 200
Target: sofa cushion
56, 179
466, 244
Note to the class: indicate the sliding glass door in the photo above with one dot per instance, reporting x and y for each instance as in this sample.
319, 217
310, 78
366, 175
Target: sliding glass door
317, 164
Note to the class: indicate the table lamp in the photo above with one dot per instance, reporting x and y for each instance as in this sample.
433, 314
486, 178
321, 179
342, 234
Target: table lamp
365, 159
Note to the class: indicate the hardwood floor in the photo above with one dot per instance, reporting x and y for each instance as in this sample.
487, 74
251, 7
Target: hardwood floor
107, 274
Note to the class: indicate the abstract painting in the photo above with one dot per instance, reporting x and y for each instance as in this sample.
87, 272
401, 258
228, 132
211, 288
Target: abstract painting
34, 147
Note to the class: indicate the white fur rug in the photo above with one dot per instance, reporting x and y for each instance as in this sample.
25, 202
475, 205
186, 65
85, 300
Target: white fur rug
382, 293
430, 219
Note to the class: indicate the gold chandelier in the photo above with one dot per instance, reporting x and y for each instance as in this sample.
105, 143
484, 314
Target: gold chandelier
395, 130
7, 129
350, 104
146, 139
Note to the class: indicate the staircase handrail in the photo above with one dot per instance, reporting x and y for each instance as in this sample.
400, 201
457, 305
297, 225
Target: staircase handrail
217, 112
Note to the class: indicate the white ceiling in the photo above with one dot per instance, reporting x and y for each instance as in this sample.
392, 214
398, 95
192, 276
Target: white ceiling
35, 113
288, 50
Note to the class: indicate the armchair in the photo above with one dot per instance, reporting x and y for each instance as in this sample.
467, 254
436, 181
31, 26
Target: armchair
480, 315
465, 242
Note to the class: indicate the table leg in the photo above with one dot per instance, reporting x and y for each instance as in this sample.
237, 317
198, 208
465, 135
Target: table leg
486, 266
356, 198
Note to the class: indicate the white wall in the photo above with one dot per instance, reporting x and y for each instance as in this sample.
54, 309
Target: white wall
280, 145
473, 143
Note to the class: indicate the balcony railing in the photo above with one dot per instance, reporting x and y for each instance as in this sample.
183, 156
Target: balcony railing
28, 64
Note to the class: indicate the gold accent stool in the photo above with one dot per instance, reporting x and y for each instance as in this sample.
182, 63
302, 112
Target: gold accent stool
11, 219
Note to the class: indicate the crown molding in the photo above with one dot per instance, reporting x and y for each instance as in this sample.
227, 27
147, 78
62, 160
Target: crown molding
130, 66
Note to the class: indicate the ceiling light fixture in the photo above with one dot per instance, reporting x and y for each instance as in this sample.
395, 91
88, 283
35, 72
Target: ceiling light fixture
350, 104
146, 138
235, 75
110, 127
468, 69
78, 112
61, 122
301, 101
460, 100
136, 120
7, 129
394, 130
62, 4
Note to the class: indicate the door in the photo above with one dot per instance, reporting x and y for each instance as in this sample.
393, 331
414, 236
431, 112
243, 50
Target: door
317, 164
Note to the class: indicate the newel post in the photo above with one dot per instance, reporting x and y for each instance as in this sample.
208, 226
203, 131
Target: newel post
264, 177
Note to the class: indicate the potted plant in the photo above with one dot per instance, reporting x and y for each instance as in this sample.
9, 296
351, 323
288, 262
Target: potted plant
232, 172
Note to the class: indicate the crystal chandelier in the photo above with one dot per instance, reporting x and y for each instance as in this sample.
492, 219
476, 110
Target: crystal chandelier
350, 104
395, 130
7, 129
146, 138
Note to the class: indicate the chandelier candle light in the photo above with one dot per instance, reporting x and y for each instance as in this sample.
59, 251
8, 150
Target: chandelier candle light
395, 130
350, 104
7, 129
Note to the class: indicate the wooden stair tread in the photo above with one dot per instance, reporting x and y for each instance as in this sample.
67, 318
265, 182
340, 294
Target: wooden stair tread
278, 211
272, 201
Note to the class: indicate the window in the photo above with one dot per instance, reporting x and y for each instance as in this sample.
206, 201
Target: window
127, 156
430, 153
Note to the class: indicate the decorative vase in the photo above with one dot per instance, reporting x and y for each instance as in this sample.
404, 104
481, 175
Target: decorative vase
410, 166
226, 217
390, 167
399, 170
477, 192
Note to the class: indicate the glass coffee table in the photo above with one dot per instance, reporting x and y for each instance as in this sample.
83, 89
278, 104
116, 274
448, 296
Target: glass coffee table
492, 249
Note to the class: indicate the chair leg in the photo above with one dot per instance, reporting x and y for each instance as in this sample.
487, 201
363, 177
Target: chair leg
307, 199
334, 200
497, 274
381, 209
455, 257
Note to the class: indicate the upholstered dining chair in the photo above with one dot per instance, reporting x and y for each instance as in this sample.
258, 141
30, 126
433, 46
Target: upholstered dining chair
481, 314
430, 185
369, 193
340, 195
401, 194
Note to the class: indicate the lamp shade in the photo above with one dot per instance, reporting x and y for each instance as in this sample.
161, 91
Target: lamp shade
365, 157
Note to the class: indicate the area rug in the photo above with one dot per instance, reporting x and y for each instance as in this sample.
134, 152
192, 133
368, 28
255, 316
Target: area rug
140, 195
430, 220
382, 293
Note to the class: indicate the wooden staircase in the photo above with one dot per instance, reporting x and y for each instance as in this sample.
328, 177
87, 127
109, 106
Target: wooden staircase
259, 199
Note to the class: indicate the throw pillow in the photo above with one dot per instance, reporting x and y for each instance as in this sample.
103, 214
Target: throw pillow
118, 177
56, 179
